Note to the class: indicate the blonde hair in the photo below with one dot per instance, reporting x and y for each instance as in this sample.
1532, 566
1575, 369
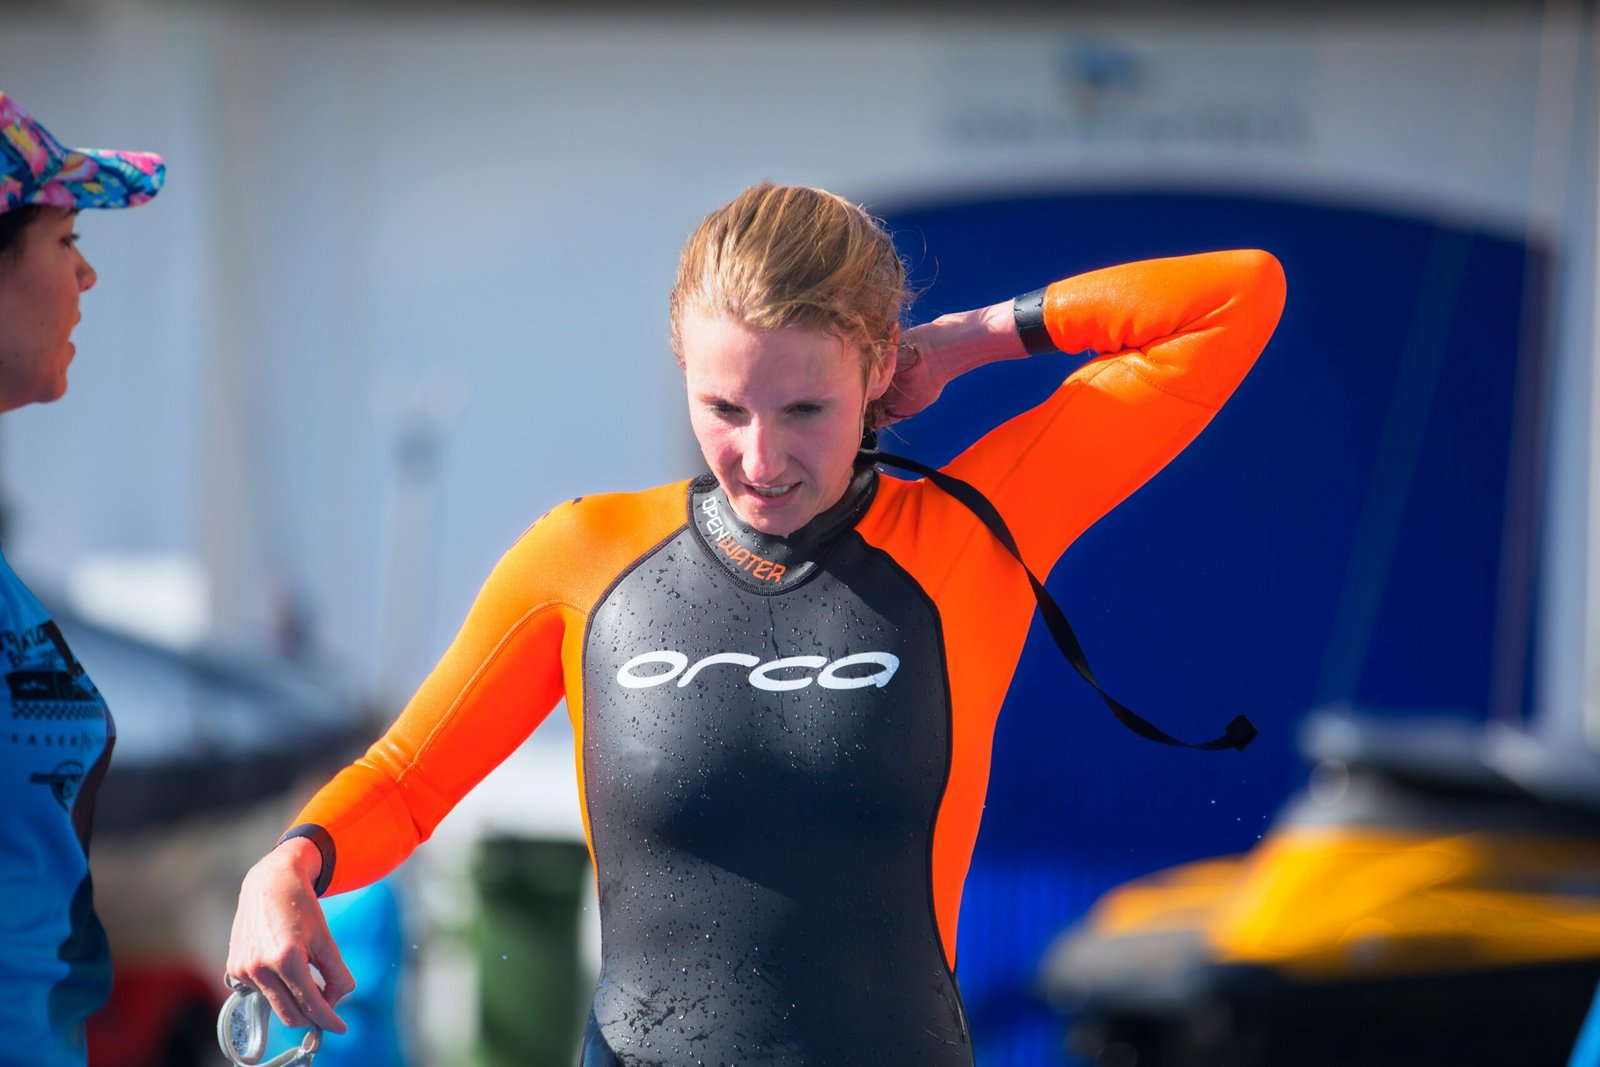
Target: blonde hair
787, 255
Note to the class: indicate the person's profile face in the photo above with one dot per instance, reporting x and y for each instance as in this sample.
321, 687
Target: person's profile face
777, 414
40, 281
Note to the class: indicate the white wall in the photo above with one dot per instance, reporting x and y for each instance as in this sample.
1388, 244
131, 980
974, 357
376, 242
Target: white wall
356, 199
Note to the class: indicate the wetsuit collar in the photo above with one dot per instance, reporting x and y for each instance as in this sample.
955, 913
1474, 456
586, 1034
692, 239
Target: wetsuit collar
763, 562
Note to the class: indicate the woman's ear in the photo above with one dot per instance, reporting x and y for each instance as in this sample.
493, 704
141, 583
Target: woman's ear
884, 360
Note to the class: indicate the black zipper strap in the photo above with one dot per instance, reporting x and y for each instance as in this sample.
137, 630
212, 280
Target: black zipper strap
1240, 732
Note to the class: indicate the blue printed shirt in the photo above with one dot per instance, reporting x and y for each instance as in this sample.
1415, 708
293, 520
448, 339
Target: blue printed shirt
55, 742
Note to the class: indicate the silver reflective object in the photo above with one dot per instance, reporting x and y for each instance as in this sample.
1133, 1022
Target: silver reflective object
242, 1031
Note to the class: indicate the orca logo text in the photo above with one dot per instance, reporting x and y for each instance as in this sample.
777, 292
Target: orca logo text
775, 676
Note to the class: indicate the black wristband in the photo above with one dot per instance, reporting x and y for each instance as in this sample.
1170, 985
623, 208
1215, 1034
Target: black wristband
324, 842
1029, 311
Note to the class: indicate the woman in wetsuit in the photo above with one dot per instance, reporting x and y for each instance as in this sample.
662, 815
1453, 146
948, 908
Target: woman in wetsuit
55, 744
783, 675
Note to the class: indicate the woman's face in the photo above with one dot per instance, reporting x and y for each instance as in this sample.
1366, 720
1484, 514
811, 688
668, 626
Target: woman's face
40, 281
777, 413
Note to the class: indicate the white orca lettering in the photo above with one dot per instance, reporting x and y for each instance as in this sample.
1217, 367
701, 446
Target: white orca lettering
829, 676
829, 679
629, 680
762, 678
742, 659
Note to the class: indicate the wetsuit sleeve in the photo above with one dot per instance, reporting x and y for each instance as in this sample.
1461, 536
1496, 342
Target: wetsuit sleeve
1171, 338
495, 684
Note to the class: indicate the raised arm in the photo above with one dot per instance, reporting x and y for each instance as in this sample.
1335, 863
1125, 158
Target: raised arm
1171, 338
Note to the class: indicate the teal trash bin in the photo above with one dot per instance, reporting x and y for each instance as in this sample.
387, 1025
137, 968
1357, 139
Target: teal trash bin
368, 926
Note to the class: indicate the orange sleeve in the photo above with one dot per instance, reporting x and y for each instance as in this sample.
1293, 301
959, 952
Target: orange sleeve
516, 655
1173, 338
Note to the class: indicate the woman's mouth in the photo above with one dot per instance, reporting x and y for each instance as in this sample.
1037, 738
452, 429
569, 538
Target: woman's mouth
773, 493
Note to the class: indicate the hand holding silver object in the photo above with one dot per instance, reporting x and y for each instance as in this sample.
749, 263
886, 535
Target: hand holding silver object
242, 1031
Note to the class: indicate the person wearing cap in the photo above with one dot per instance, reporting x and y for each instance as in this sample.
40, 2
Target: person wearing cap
57, 734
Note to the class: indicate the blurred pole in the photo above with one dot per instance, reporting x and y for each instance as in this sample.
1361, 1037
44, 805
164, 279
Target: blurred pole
1545, 522
1533, 505
230, 510
1591, 629
418, 417
1560, 744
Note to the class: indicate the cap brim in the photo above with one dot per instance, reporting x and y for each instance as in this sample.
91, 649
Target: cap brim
100, 178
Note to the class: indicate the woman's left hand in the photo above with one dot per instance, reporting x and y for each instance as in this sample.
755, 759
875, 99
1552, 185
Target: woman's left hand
936, 353
916, 382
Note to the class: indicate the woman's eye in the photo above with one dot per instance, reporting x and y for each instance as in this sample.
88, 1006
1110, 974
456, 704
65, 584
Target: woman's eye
73, 238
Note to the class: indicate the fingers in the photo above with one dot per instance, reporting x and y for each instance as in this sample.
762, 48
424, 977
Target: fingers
338, 982
300, 1004
308, 996
278, 932
899, 402
292, 992
283, 1002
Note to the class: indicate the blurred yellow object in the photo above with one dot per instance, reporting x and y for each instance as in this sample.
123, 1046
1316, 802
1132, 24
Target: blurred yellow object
1414, 906
1332, 902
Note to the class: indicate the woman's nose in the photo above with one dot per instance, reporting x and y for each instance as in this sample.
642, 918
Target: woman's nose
86, 275
764, 458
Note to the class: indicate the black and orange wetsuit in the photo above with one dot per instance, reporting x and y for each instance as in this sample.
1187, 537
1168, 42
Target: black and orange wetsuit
783, 743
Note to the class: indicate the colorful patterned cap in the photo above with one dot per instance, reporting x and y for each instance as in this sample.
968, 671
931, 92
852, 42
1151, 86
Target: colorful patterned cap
36, 169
